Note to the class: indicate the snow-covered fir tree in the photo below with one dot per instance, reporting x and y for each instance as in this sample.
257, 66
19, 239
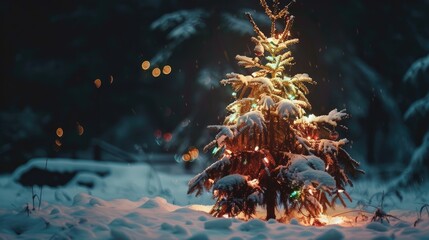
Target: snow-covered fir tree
270, 151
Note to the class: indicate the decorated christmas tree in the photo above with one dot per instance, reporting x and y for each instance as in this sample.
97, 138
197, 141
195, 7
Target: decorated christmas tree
269, 151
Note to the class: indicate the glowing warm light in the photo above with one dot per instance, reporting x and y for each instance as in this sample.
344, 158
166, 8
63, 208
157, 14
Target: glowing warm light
80, 129
328, 220
308, 138
340, 190
266, 160
166, 70
194, 153
156, 72
228, 151
59, 132
145, 65
186, 157
256, 148
310, 191
97, 83
58, 143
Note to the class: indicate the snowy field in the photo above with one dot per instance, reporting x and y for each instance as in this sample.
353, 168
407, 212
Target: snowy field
119, 201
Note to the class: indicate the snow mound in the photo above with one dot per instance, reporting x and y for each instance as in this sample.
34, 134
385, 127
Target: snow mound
253, 225
199, 236
376, 226
223, 223
153, 203
331, 234
78, 212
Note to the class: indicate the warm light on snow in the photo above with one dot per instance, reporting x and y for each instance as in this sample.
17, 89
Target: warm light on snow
328, 220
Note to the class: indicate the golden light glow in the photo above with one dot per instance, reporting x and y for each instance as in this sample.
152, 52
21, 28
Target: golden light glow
186, 157
166, 69
97, 83
59, 132
80, 129
328, 220
145, 65
266, 160
156, 72
256, 148
194, 153
58, 143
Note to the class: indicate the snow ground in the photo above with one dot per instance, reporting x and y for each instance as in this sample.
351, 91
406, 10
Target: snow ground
138, 202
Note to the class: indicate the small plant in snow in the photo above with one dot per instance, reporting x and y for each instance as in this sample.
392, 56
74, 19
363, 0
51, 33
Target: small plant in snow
270, 152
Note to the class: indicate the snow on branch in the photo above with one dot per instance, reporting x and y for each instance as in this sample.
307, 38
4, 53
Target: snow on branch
308, 170
287, 108
331, 147
205, 179
266, 102
332, 118
251, 119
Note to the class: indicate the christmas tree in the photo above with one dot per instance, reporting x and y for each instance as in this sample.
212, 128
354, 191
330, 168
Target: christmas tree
269, 151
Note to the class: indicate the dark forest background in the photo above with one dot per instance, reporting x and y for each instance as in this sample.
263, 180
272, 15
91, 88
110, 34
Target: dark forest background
370, 57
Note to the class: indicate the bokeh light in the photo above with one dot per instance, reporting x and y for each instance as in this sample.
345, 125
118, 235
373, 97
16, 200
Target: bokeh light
97, 83
156, 72
59, 132
58, 143
186, 157
194, 153
167, 137
145, 65
80, 129
166, 70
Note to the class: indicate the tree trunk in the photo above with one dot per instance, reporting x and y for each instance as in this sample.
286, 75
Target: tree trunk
271, 198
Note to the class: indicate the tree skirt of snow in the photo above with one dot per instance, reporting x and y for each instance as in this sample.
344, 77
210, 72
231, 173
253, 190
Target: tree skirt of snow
111, 211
